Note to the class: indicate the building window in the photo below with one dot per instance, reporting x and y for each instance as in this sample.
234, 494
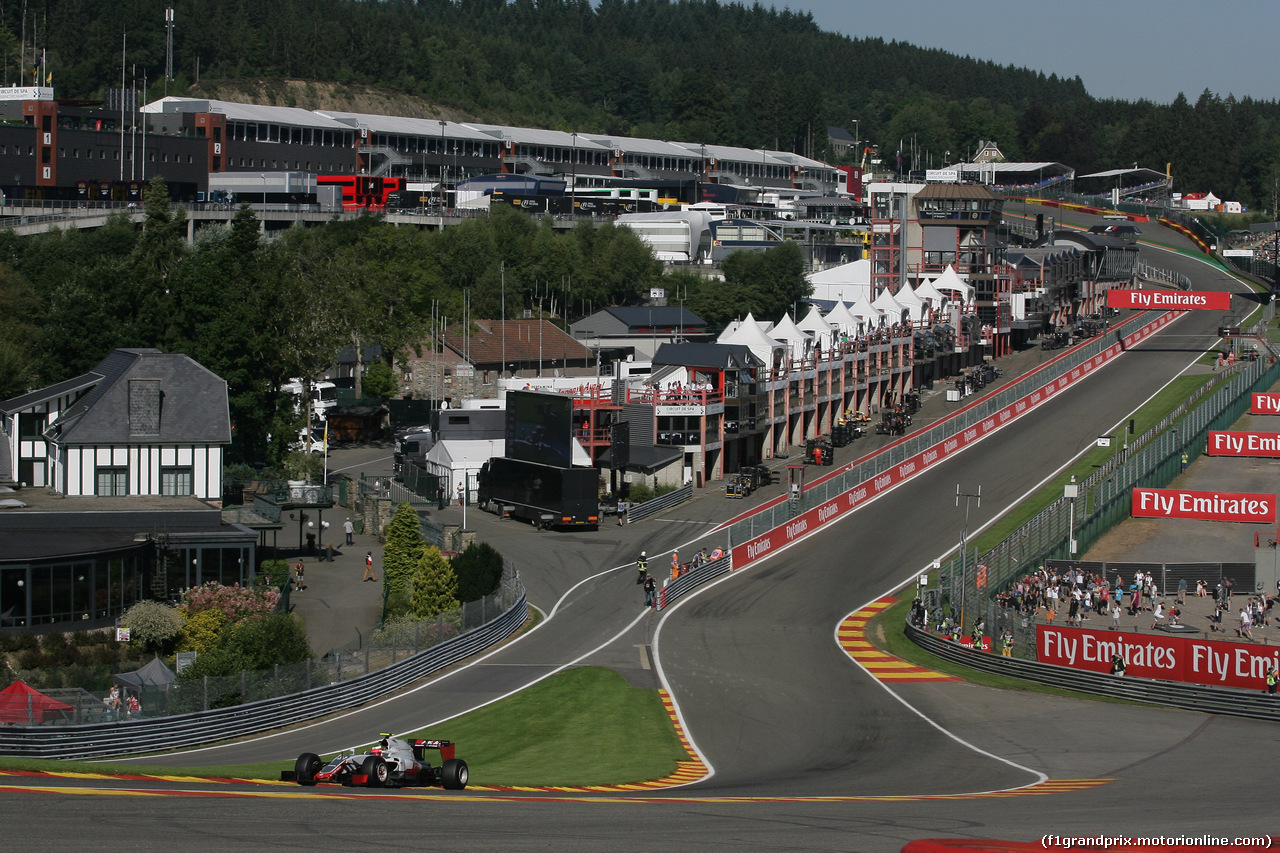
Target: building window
31, 424
112, 482
175, 481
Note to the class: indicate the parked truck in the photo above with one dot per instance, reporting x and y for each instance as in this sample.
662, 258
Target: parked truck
546, 496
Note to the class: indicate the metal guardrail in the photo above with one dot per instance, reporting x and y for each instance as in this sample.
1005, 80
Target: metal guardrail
1192, 697
642, 511
693, 578
158, 734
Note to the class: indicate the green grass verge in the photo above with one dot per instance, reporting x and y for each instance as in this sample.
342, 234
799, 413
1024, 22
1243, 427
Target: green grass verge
584, 726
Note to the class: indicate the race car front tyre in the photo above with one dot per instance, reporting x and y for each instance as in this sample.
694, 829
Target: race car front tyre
376, 772
306, 768
453, 774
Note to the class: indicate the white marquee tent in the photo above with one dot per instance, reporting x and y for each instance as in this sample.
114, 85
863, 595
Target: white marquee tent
749, 334
823, 332
846, 282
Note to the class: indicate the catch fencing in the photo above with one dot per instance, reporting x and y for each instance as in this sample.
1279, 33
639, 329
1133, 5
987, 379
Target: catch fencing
1105, 497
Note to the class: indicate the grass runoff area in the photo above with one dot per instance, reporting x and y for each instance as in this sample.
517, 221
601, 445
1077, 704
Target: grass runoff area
583, 726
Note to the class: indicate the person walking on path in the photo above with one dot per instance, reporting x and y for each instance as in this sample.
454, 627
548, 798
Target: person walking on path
642, 568
368, 567
349, 529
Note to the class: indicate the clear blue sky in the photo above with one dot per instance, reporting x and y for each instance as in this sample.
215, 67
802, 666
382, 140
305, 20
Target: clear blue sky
1126, 49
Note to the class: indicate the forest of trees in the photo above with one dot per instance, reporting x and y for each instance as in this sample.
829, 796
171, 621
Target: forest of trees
690, 70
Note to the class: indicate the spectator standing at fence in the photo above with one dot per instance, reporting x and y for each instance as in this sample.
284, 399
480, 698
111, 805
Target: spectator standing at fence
650, 592
1006, 644
1186, 460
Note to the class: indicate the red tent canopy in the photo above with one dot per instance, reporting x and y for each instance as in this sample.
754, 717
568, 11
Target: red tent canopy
21, 704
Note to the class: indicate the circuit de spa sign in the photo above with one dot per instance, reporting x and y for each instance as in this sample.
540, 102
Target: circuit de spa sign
1244, 507
1171, 657
1174, 300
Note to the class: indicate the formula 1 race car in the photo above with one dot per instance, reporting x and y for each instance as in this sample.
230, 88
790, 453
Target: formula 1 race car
391, 763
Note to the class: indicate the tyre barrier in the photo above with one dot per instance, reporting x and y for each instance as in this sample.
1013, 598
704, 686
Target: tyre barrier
97, 740
1174, 694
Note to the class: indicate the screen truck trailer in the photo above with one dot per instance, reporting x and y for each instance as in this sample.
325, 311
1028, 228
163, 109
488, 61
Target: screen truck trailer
545, 495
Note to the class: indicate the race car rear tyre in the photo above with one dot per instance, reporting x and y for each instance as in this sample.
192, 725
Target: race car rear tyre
376, 772
453, 774
306, 768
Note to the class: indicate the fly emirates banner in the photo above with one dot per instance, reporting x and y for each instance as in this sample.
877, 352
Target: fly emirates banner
1167, 656
1180, 300
1204, 506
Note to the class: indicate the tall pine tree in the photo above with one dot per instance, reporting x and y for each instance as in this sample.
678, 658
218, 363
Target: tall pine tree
435, 588
403, 549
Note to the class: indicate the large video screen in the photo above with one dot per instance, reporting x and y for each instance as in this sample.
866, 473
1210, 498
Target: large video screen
540, 428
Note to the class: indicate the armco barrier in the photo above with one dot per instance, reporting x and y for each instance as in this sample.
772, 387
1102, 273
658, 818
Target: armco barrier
658, 504
865, 481
1192, 697
693, 578
182, 730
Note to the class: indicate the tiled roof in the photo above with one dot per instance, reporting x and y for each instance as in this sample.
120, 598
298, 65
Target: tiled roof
520, 340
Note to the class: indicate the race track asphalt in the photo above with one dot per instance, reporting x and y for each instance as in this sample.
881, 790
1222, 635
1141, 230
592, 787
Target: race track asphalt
828, 758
